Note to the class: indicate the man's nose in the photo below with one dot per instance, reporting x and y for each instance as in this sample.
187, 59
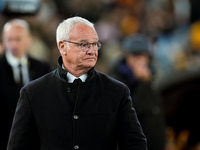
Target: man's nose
91, 50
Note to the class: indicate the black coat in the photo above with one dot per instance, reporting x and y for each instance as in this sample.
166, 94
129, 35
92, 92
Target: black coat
53, 114
9, 93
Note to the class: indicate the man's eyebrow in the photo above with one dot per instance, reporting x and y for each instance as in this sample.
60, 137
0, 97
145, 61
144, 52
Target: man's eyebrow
85, 40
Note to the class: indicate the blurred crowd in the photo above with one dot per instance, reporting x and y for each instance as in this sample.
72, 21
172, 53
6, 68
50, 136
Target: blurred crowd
173, 27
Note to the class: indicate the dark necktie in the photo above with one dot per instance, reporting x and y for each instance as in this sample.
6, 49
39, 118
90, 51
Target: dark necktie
77, 80
20, 75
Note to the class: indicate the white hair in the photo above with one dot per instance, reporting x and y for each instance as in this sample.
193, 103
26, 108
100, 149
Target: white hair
17, 22
64, 28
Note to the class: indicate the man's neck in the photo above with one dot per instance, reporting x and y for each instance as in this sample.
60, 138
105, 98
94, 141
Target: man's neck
76, 71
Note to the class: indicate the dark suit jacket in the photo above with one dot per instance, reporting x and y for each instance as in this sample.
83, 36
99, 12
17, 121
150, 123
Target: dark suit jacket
9, 93
53, 114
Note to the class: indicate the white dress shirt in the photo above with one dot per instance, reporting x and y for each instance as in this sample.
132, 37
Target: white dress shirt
71, 77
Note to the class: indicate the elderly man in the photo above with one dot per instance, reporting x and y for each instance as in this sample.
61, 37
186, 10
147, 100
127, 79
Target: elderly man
75, 106
17, 68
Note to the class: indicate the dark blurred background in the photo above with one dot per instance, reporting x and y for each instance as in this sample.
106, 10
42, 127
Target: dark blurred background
172, 25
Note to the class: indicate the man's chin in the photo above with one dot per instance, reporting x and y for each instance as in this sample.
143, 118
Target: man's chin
90, 65
17, 55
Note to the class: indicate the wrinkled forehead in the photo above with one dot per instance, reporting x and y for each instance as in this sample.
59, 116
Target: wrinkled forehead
82, 31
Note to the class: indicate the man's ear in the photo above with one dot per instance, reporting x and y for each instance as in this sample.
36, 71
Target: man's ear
62, 47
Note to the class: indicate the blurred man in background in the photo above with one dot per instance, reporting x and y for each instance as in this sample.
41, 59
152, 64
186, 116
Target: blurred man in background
16, 69
136, 71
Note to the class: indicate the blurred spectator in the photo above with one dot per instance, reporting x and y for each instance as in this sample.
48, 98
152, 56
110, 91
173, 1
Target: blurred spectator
108, 30
16, 69
170, 42
90, 9
136, 72
188, 60
131, 22
108, 24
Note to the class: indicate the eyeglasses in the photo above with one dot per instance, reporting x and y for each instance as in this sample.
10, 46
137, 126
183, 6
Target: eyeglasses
86, 46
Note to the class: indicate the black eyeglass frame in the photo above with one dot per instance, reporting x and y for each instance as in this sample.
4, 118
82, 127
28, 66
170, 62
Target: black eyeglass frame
89, 44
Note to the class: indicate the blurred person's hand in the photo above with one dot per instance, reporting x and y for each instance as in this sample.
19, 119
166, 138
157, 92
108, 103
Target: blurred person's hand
139, 65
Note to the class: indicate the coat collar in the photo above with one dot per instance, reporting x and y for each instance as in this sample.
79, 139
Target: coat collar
62, 73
